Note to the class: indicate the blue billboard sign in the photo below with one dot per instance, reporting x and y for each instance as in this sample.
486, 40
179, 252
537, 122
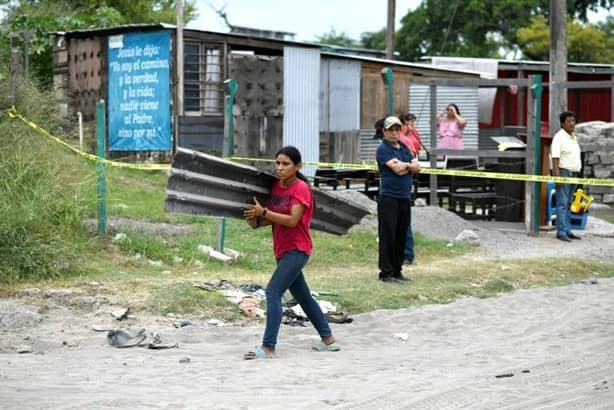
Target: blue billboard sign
139, 92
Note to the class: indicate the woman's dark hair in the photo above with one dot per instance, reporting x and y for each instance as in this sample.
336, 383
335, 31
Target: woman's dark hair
565, 115
455, 107
295, 156
407, 117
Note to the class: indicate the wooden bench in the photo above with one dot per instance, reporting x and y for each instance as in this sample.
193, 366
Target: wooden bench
364, 180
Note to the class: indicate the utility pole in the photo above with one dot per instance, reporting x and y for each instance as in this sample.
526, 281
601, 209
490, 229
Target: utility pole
390, 30
558, 63
179, 62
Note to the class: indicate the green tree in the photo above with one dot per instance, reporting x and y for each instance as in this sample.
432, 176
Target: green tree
475, 28
336, 39
375, 40
43, 17
585, 43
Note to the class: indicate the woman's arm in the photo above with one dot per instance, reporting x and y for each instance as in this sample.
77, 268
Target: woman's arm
461, 121
267, 217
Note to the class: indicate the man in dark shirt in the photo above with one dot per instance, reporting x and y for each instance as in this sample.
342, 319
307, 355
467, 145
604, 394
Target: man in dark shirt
396, 166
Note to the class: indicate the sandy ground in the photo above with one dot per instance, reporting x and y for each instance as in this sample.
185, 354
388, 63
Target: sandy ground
530, 349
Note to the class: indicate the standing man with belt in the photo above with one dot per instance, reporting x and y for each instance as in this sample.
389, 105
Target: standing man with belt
566, 162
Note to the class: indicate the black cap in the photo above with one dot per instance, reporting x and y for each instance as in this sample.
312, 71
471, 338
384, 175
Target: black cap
379, 129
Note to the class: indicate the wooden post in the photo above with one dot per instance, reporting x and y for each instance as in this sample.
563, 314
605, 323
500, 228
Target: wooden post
558, 62
14, 69
101, 132
179, 69
433, 142
520, 98
533, 156
390, 30
26, 52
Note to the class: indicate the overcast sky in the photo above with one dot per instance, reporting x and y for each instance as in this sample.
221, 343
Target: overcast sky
306, 18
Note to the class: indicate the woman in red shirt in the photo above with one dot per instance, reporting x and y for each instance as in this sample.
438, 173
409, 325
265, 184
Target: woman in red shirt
410, 135
289, 211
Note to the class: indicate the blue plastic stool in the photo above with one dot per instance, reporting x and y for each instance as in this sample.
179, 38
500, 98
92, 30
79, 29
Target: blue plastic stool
551, 204
577, 221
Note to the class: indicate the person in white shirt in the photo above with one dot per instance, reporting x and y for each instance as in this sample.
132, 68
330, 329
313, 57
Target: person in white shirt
566, 162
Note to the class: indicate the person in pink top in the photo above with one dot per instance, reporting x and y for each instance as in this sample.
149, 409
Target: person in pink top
289, 212
450, 126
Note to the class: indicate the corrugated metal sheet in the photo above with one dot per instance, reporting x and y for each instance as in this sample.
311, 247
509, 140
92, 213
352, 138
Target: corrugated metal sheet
368, 145
339, 95
202, 184
301, 103
466, 98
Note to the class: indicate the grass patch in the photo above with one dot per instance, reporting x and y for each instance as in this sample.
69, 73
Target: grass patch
46, 192
184, 298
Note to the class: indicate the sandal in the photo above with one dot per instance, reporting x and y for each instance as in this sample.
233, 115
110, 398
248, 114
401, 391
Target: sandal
128, 337
323, 347
258, 353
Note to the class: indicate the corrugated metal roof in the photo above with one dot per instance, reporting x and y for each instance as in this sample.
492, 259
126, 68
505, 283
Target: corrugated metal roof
535, 65
202, 184
139, 27
421, 66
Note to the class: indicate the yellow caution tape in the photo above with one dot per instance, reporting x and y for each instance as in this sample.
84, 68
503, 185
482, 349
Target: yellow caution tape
460, 173
14, 114
336, 165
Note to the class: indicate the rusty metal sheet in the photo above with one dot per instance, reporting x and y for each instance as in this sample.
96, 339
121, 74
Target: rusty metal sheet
207, 185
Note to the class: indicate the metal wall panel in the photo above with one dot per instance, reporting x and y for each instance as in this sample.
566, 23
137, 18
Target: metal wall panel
339, 95
368, 145
301, 103
466, 98
204, 134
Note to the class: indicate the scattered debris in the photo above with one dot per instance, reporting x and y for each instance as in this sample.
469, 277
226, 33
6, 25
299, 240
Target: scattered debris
182, 323
499, 376
469, 237
119, 237
57, 293
403, 336
70, 344
30, 292
120, 314
130, 337
340, 317
323, 293
24, 349
589, 281
215, 284
250, 305
229, 255
216, 322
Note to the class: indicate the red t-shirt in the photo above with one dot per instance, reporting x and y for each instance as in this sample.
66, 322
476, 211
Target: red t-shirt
411, 139
282, 199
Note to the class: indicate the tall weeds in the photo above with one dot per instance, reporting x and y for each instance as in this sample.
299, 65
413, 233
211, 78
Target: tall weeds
40, 211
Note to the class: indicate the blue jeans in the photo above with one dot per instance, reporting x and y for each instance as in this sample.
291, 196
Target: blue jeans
408, 253
564, 196
289, 275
